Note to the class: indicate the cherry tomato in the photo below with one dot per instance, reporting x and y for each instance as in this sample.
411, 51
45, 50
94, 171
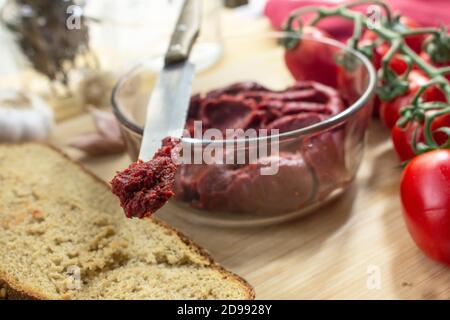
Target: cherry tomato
414, 42
402, 139
439, 122
397, 64
312, 60
390, 110
425, 197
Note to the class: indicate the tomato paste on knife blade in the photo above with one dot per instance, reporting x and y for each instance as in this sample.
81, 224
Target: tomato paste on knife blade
144, 187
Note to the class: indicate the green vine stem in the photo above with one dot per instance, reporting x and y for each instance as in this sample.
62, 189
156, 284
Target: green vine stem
391, 84
420, 31
444, 70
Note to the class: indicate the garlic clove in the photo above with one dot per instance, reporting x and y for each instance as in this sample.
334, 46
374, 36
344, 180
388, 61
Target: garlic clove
106, 124
96, 144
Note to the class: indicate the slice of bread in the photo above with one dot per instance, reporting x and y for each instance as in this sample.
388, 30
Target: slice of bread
63, 235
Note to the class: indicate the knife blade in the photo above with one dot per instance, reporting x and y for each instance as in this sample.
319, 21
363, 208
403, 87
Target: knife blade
169, 101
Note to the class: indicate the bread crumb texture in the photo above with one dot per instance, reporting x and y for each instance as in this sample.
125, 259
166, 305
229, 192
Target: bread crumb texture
63, 236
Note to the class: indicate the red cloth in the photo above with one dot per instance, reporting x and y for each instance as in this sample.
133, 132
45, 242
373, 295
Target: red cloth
426, 12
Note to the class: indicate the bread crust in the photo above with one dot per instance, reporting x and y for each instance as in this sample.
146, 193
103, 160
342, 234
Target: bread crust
16, 291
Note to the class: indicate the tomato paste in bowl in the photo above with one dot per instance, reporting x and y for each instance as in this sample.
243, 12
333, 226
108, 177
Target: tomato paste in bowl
312, 132
240, 188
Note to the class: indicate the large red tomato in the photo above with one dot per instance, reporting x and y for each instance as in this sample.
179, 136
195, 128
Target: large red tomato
425, 197
312, 60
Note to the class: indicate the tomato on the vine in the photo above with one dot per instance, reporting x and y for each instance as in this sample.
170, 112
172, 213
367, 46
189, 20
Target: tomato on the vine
312, 60
425, 189
415, 42
390, 110
397, 64
443, 121
402, 139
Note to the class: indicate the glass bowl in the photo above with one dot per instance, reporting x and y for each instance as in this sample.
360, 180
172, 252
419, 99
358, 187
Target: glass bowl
314, 164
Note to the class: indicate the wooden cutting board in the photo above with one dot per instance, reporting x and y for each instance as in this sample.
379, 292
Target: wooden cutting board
357, 247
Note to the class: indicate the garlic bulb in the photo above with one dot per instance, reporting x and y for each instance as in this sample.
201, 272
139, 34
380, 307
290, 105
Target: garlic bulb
23, 117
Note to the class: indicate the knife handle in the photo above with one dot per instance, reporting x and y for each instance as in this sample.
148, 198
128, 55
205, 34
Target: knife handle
185, 33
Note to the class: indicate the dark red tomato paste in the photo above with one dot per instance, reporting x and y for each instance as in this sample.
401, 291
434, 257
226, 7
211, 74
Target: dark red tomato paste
250, 105
145, 187
308, 167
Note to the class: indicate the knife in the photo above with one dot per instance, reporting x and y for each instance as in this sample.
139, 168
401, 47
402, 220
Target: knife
169, 101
